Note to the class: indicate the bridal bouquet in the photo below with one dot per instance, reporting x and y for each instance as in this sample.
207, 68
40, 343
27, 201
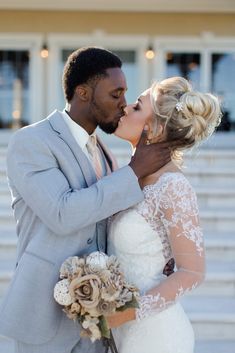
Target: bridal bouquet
91, 288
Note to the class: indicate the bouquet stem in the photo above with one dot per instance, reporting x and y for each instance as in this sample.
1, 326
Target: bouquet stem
110, 344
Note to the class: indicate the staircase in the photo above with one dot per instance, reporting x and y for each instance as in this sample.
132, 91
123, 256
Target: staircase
211, 307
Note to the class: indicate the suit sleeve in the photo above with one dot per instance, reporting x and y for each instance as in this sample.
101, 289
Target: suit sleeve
34, 171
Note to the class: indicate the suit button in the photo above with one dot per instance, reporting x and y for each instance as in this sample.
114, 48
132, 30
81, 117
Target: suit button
89, 241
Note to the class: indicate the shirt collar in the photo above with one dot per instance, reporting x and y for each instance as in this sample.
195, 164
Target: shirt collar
81, 135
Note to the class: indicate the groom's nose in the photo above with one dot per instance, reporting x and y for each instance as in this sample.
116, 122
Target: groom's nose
123, 102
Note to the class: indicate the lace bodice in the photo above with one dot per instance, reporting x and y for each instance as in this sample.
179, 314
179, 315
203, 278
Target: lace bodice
164, 225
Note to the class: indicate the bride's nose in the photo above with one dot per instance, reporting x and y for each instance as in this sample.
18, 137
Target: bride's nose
128, 109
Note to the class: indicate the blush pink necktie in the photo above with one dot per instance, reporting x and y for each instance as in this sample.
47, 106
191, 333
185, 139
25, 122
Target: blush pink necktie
94, 155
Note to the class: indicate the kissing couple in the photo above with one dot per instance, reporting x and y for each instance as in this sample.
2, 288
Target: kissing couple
65, 186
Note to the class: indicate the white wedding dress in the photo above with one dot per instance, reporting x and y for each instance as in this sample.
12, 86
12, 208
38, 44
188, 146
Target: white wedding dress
144, 237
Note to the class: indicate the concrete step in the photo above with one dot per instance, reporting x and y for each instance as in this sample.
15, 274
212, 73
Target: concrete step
8, 232
219, 281
3, 171
6, 270
6, 218
213, 318
3, 167
200, 160
8, 244
222, 177
215, 197
217, 220
215, 346
210, 158
6, 345
5, 201
220, 246
4, 187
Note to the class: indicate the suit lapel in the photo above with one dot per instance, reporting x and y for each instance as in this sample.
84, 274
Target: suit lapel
60, 127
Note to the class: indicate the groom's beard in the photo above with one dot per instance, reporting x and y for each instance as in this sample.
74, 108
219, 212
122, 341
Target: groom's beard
108, 127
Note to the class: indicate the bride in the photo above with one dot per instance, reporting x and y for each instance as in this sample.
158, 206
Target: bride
165, 224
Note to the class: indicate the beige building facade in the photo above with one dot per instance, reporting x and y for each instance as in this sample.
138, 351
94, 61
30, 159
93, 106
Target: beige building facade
195, 42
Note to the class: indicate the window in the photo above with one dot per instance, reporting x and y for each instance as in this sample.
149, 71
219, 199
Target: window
186, 65
14, 88
223, 84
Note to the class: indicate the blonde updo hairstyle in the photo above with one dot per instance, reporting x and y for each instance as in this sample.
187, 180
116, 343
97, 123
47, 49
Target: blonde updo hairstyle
186, 115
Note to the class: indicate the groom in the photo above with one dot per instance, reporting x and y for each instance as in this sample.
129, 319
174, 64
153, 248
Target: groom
64, 186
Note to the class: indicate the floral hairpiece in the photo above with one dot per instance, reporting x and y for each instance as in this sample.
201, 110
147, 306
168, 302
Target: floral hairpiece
179, 106
210, 129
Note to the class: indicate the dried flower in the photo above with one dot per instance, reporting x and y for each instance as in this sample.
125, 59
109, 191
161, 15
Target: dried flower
106, 308
97, 260
61, 292
86, 290
92, 288
110, 291
91, 324
73, 311
73, 267
124, 297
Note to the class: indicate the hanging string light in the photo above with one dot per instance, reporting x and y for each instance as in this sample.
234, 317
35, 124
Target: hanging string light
44, 51
149, 54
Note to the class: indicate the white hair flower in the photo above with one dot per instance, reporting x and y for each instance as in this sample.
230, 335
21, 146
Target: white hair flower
179, 106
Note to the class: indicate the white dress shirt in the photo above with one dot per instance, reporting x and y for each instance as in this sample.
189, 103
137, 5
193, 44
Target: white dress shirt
81, 136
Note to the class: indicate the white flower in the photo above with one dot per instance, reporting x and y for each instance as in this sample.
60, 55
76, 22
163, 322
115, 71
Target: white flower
179, 106
90, 324
72, 267
61, 293
95, 333
97, 260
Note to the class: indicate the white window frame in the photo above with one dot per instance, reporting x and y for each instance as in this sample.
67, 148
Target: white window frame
206, 44
57, 42
32, 43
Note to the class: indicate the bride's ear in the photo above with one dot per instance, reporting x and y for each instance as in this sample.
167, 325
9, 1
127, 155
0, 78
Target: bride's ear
149, 130
157, 135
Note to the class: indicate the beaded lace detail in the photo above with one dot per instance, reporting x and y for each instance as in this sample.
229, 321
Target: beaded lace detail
170, 208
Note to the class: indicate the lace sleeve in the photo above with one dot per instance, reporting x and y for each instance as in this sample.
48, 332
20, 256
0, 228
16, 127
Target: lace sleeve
178, 211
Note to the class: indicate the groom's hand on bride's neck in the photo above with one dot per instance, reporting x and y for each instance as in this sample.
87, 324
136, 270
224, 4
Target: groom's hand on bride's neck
148, 159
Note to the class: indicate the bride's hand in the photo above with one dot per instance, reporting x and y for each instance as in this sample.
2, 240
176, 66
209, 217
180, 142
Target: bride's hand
120, 317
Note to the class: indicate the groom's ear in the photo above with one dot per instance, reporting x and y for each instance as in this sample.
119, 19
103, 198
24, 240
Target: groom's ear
83, 92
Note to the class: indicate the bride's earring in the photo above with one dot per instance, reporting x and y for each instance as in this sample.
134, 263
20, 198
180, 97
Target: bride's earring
149, 139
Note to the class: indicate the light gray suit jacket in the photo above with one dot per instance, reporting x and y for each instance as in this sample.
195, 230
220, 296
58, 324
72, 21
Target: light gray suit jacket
61, 211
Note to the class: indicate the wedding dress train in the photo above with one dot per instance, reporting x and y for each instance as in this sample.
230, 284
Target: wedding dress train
144, 237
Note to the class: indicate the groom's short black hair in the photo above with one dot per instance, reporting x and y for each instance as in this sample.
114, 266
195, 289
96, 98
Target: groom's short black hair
86, 64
